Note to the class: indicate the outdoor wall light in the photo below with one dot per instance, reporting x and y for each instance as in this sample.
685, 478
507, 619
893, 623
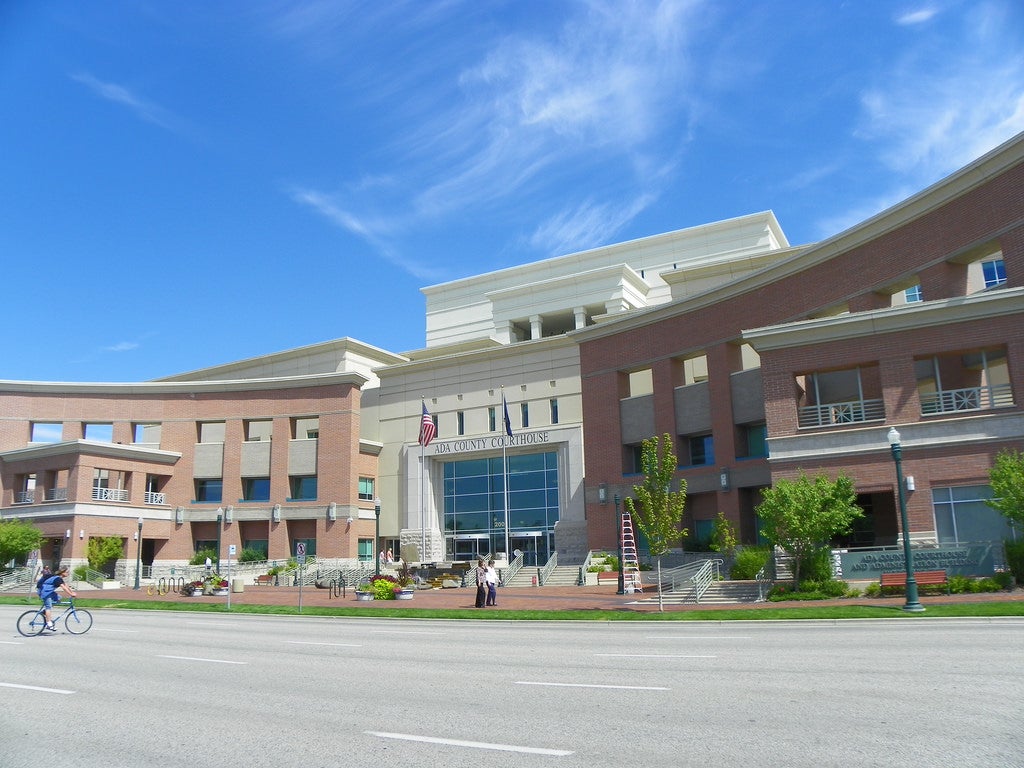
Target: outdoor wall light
602, 493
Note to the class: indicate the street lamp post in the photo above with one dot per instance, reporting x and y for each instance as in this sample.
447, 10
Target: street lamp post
220, 530
376, 537
622, 570
912, 603
138, 555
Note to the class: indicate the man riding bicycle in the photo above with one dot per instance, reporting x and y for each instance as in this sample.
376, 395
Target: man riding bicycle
50, 590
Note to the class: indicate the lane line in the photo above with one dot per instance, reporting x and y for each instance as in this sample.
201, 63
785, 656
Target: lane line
194, 658
339, 645
402, 632
472, 744
12, 642
107, 629
696, 637
653, 656
36, 688
595, 685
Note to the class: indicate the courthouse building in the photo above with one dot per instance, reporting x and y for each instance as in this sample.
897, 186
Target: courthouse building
760, 359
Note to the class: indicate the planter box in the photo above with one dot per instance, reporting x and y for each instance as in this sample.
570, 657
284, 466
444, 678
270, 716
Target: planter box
405, 594
364, 595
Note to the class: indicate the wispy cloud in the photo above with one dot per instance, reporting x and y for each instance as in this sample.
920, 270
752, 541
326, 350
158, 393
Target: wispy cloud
122, 346
145, 110
920, 16
588, 93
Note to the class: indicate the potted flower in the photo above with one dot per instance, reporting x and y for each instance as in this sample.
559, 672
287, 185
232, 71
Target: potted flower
406, 587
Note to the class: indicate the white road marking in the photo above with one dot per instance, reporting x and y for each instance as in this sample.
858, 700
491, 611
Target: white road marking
340, 645
401, 632
653, 656
696, 637
472, 744
194, 658
108, 629
36, 688
11, 642
595, 685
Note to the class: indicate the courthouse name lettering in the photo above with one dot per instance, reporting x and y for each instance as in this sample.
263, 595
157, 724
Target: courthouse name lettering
491, 443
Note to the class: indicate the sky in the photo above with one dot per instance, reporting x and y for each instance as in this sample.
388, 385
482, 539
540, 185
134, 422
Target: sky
186, 184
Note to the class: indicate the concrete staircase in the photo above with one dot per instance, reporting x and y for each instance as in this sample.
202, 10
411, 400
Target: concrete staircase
561, 576
719, 593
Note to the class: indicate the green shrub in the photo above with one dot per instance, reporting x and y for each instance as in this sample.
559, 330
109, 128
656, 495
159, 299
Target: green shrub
1015, 559
817, 566
874, 589
749, 560
199, 558
79, 572
1004, 579
959, 585
810, 589
248, 555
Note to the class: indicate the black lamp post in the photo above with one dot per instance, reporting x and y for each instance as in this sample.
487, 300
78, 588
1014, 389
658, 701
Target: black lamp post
220, 528
376, 537
138, 555
622, 569
912, 603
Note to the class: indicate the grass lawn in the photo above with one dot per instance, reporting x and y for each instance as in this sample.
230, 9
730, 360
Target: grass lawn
801, 612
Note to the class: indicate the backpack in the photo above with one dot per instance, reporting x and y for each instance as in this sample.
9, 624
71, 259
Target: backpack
49, 589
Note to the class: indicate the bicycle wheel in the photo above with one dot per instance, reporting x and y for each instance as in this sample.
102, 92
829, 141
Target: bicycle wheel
77, 621
31, 623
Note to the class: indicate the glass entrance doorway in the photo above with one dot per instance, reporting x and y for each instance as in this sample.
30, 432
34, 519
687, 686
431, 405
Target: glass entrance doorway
470, 547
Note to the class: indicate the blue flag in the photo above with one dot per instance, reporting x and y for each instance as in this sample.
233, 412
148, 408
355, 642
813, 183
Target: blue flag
508, 424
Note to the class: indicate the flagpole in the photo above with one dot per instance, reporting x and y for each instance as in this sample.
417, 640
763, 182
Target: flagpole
504, 465
423, 528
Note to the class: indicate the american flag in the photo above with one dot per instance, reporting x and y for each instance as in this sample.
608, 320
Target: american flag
508, 423
427, 429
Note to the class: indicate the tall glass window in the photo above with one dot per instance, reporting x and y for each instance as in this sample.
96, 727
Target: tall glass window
474, 498
962, 516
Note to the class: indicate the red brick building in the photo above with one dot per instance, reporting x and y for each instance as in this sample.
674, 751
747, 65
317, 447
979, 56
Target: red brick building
913, 319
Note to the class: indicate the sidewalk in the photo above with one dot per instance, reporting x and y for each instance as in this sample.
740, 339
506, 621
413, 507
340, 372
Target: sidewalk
525, 598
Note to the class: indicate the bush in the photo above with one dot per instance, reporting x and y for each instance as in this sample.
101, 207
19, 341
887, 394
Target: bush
1015, 559
248, 555
810, 589
199, 558
750, 560
817, 566
80, 572
874, 589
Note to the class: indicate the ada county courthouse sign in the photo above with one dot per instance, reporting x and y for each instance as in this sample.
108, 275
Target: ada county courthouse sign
964, 560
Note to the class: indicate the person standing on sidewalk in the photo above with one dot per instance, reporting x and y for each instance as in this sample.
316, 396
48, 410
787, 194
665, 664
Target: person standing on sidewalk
491, 577
481, 583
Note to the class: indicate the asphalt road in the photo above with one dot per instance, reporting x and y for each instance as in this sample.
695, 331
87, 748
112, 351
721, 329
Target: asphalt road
163, 689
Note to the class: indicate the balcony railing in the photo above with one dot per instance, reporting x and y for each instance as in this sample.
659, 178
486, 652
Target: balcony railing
971, 399
109, 494
24, 497
152, 497
850, 412
56, 494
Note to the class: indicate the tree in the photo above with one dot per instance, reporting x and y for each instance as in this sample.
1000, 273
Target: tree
801, 516
103, 549
657, 509
1007, 480
17, 539
723, 536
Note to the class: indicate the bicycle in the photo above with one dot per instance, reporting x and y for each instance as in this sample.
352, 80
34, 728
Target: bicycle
77, 621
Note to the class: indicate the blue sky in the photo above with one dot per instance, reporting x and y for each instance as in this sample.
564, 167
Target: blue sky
184, 184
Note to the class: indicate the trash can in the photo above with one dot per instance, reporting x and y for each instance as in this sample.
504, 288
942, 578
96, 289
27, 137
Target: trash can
238, 585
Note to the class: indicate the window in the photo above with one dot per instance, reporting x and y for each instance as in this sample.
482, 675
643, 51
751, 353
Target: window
702, 450
209, 490
256, 489
755, 441
258, 430
553, 403
994, 272
302, 488
204, 544
460, 422
306, 428
146, 433
962, 516
109, 485
211, 431
633, 459
366, 550
366, 488
913, 294
492, 419
47, 432
524, 413
101, 433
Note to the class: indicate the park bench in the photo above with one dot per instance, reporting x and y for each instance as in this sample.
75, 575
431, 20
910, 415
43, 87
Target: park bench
264, 580
923, 579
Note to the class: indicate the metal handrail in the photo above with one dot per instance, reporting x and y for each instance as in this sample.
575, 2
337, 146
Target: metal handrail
969, 399
764, 581
848, 412
585, 568
512, 569
545, 572
709, 573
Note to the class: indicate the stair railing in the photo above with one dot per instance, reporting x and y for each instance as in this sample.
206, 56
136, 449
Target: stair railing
545, 572
585, 568
513, 568
709, 574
